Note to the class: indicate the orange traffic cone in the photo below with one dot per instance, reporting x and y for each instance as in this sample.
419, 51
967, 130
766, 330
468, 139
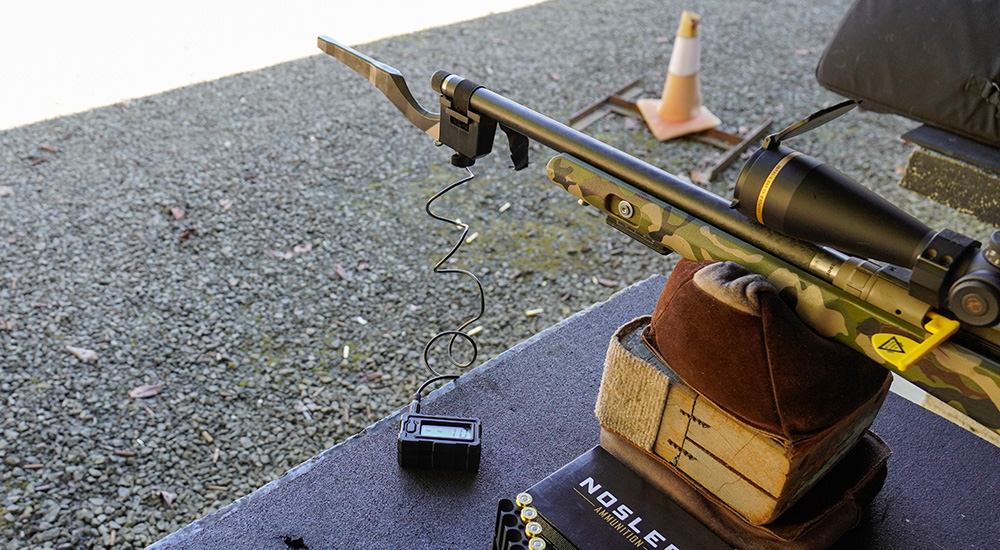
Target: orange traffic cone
679, 112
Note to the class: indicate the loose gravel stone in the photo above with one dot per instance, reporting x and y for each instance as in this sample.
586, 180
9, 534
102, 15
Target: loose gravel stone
257, 246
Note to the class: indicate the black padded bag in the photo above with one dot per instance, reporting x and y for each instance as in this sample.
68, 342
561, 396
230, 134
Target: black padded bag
934, 61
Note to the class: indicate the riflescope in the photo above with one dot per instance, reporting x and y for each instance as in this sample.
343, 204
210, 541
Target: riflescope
803, 198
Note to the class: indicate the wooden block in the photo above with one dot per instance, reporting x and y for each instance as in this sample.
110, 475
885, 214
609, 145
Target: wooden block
729, 485
745, 449
759, 475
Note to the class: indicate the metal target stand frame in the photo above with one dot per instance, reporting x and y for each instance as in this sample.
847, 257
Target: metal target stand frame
622, 102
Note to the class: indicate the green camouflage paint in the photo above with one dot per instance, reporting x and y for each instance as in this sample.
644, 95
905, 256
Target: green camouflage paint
965, 380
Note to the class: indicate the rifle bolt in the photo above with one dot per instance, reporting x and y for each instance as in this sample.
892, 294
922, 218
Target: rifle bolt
973, 304
626, 209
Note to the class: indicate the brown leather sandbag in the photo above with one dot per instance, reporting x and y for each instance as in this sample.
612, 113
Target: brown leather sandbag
729, 335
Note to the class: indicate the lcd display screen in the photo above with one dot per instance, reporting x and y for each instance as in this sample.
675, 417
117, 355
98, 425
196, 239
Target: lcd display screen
446, 432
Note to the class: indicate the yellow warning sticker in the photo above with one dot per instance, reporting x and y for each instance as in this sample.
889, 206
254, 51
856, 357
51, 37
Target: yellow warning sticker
893, 347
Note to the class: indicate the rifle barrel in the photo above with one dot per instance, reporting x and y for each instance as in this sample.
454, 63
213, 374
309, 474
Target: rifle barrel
692, 200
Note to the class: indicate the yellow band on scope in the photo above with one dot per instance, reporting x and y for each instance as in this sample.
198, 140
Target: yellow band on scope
767, 183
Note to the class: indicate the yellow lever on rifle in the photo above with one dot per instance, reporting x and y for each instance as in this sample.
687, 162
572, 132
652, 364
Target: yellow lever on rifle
902, 352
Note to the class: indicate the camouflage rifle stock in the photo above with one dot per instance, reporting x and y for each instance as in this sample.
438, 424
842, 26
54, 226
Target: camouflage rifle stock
860, 304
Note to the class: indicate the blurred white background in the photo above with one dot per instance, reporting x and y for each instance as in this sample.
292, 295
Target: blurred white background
62, 57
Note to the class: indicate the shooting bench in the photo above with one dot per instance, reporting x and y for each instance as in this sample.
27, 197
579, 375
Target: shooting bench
536, 404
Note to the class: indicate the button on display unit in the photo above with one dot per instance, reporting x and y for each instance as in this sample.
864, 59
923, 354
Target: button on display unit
439, 442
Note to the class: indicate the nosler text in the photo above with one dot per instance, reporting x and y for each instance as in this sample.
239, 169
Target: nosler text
624, 514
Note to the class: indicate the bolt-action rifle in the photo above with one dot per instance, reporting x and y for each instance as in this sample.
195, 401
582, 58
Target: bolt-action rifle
928, 311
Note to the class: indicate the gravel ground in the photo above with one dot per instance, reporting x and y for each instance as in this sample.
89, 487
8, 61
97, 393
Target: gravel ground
256, 247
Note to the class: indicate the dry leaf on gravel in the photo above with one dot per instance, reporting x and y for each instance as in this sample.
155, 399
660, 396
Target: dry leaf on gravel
342, 273
516, 273
301, 407
279, 254
186, 234
143, 392
83, 354
632, 123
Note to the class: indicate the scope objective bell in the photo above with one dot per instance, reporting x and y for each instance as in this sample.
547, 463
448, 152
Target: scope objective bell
804, 198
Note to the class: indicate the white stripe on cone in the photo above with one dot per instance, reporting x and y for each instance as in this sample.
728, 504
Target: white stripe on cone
686, 57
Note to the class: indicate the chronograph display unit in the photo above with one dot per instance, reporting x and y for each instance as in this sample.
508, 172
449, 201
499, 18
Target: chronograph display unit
439, 442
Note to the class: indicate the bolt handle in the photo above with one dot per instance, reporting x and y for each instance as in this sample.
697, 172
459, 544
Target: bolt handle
975, 296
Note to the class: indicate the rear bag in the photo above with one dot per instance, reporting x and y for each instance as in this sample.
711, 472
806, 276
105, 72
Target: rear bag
937, 62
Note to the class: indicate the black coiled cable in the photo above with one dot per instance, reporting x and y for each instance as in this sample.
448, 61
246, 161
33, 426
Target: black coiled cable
456, 334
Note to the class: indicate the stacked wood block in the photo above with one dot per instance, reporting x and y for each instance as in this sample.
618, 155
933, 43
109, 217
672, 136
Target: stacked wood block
758, 475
